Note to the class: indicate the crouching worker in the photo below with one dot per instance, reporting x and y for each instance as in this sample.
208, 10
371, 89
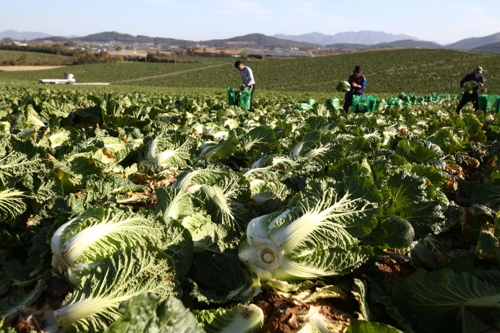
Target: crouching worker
471, 84
358, 82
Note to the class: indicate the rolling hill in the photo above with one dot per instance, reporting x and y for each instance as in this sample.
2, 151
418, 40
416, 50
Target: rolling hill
253, 40
475, 42
259, 40
491, 48
112, 36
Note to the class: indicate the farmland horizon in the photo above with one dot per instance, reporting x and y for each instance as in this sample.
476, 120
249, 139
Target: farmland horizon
217, 19
410, 70
367, 37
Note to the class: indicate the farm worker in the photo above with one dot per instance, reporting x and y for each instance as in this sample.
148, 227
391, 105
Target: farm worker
358, 83
473, 96
246, 77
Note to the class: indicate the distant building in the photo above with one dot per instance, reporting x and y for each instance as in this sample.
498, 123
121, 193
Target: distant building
284, 53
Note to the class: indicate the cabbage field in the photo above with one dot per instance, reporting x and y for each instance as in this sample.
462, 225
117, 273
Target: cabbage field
419, 71
168, 212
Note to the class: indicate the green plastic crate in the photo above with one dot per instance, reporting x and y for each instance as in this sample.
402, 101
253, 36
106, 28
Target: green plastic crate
487, 102
245, 97
492, 101
363, 103
240, 98
231, 96
372, 103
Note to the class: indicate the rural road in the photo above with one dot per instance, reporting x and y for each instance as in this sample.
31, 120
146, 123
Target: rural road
168, 74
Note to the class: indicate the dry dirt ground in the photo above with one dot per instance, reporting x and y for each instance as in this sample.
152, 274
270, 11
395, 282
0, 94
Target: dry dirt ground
26, 68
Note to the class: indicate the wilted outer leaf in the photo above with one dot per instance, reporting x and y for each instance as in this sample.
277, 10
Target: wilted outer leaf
146, 313
446, 301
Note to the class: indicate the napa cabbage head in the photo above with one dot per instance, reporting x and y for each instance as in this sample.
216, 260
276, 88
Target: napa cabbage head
124, 274
165, 151
343, 86
310, 238
96, 234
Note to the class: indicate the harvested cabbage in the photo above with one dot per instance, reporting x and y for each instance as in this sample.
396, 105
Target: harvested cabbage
469, 87
343, 86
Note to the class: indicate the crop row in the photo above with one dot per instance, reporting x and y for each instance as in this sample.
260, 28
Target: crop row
106, 196
388, 71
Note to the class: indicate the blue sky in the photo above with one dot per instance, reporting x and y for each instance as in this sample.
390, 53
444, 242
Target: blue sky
442, 21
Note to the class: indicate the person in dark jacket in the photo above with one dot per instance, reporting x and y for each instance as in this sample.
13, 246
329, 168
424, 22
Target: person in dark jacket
473, 96
358, 83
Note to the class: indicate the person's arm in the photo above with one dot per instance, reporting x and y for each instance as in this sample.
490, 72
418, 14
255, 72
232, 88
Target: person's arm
242, 74
363, 84
480, 81
249, 77
359, 86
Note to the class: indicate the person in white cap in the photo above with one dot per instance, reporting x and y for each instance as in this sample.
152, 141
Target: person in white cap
473, 96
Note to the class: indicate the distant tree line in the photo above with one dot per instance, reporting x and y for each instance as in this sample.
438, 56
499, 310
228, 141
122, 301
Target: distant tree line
161, 57
178, 55
87, 57
197, 52
81, 57
27, 59
52, 49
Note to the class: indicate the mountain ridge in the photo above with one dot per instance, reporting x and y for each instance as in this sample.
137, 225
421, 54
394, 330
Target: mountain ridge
475, 42
367, 37
344, 40
13, 34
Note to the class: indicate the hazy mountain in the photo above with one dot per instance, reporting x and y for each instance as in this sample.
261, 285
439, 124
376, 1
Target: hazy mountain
251, 40
361, 37
491, 48
22, 35
475, 42
15, 35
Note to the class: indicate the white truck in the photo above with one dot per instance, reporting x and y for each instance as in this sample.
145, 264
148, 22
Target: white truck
68, 79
